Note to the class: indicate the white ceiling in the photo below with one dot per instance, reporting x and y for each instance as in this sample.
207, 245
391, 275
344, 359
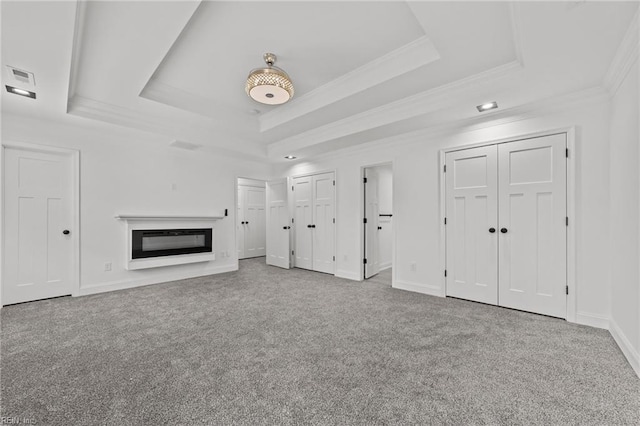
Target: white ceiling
362, 70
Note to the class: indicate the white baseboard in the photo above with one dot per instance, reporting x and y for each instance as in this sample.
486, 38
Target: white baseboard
124, 284
384, 266
592, 320
431, 290
347, 275
627, 349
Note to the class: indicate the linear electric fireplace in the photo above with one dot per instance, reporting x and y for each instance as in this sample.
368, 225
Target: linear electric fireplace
147, 243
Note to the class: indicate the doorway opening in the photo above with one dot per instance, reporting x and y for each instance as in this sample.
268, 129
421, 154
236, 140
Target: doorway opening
378, 223
251, 231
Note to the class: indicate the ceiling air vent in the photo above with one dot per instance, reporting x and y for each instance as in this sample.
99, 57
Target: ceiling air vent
185, 145
21, 76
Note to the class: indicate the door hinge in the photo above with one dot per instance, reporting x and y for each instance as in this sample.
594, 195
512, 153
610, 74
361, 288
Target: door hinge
334, 258
292, 188
364, 180
567, 289
292, 252
334, 220
567, 220
566, 152
445, 272
291, 220
364, 261
445, 220
364, 220
445, 168
334, 183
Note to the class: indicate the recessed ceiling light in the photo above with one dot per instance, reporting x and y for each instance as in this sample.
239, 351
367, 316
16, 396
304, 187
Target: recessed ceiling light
21, 92
290, 157
487, 106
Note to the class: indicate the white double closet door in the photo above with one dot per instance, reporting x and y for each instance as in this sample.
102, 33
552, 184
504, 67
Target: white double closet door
252, 233
314, 222
506, 230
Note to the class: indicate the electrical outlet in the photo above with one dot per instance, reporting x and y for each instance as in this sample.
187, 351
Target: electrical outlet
413, 266
107, 266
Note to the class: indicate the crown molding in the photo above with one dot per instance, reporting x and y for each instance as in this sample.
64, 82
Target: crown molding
409, 57
580, 99
109, 113
515, 28
75, 50
626, 56
412, 106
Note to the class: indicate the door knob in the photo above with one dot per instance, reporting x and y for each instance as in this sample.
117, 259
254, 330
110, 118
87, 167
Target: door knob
379, 228
286, 227
313, 226
308, 226
246, 223
66, 232
492, 230
242, 223
503, 230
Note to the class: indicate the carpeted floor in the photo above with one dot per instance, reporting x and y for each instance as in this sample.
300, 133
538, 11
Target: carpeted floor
266, 346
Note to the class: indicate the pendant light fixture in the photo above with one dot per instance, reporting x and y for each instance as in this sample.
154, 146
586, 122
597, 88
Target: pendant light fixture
269, 85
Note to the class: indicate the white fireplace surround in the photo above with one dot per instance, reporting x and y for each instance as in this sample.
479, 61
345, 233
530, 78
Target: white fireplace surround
147, 221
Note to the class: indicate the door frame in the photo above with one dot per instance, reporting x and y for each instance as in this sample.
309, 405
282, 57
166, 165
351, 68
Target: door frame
74, 155
362, 208
235, 213
571, 206
291, 201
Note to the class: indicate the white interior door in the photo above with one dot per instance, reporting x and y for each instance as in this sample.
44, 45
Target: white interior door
471, 228
255, 238
322, 229
303, 220
38, 226
533, 206
372, 215
278, 223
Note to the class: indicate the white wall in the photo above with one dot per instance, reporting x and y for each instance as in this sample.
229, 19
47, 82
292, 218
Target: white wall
625, 218
416, 209
125, 171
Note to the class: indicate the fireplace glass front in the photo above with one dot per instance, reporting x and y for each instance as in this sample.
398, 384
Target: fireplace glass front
169, 242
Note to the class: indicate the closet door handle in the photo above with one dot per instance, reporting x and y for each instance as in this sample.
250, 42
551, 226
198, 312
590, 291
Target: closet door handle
313, 226
492, 230
503, 230
246, 223
286, 227
308, 226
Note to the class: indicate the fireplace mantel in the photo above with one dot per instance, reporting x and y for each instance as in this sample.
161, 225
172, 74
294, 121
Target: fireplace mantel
166, 217
135, 222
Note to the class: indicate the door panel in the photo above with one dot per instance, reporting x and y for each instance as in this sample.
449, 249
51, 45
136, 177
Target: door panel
372, 212
323, 231
532, 256
471, 210
255, 232
38, 207
302, 196
278, 223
